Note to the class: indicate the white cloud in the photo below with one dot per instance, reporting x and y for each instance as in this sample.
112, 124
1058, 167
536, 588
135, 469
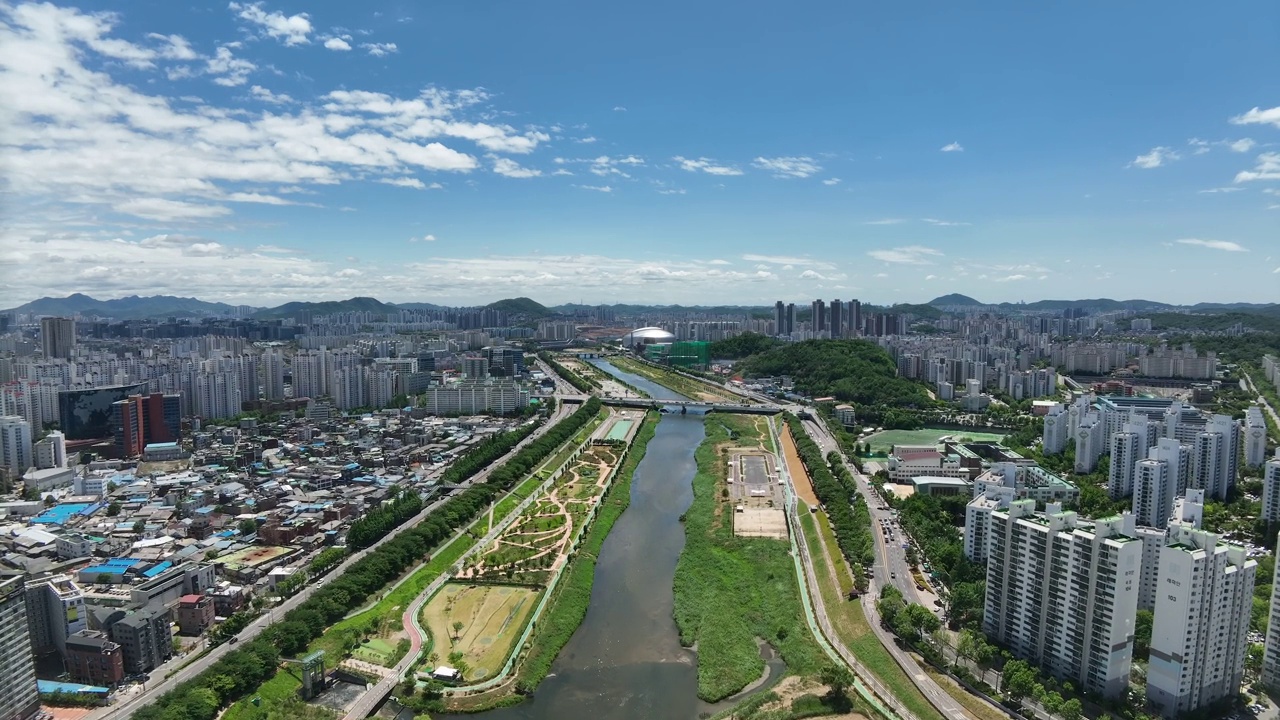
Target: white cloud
291, 30
930, 277
265, 95
1220, 190
510, 168
1154, 159
619, 108
424, 238
259, 198
1010, 278
831, 181
706, 165
1258, 116
812, 275
672, 191
561, 171
337, 43
882, 275
1268, 168
910, 255
597, 188
885, 221
231, 71
953, 147
409, 182
718, 262
1226, 245
787, 260
175, 47
585, 140
168, 210
1243, 145
943, 223
380, 49
1200, 147
788, 167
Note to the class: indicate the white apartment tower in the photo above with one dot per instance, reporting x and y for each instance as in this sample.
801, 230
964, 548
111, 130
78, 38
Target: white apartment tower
1128, 446
1271, 489
15, 444
19, 697
1255, 437
1271, 659
977, 520
1214, 463
1056, 431
1090, 436
273, 375
1203, 597
1063, 594
1157, 480
1189, 513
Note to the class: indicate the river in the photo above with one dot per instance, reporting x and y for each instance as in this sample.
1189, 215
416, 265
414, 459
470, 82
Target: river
625, 661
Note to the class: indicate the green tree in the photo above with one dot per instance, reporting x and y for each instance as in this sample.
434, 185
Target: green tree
113, 509
139, 527
1018, 680
248, 527
457, 630
1142, 634
838, 679
1071, 710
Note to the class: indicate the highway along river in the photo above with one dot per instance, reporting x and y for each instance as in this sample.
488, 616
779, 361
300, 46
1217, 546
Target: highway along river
625, 661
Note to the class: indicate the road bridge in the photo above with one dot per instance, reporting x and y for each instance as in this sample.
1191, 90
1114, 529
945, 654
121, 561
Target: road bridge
686, 405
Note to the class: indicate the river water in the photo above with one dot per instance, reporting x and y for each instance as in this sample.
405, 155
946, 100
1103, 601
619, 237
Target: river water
625, 661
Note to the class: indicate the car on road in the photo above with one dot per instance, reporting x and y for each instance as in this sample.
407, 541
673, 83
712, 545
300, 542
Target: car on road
234, 638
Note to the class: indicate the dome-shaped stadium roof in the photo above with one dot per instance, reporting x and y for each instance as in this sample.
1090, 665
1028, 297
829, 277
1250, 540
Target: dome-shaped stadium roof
647, 336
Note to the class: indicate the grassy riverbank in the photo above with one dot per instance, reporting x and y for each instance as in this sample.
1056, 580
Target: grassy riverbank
687, 386
730, 590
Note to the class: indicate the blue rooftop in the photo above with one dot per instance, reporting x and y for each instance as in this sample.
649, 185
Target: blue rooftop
50, 686
157, 569
59, 514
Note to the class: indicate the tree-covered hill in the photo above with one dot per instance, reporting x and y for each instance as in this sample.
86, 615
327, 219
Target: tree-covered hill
854, 371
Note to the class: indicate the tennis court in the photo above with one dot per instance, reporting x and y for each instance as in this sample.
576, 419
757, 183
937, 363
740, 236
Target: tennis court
882, 441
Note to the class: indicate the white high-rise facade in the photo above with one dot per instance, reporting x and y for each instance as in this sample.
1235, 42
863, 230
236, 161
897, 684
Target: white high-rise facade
273, 375
1271, 658
1189, 513
1063, 594
1255, 437
19, 697
1128, 446
1056, 429
1203, 598
1271, 489
1214, 462
15, 444
1156, 481
1090, 436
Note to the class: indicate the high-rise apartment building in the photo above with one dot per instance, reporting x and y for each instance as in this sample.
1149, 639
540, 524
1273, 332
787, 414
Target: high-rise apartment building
1156, 481
1255, 437
57, 337
1063, 593
1127, 448
837, 319
1271, 489
19, 698
1056, 431
1204, 595
1214, 463
273, 375
145, 637
15, 444
55, 612
1271, 657
780, 319
791, 318
818, 317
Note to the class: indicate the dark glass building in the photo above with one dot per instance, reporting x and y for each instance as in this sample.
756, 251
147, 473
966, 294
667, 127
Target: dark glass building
86, 414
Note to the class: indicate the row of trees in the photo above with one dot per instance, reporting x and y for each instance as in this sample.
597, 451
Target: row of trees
485, 453
241, 671
377, 523
850, 518
582, 384
932, 522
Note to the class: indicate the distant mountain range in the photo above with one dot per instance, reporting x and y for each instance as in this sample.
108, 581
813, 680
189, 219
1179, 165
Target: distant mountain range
956, 300
126, 308
524, 309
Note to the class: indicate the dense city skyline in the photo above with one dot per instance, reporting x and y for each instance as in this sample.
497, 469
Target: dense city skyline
322, 151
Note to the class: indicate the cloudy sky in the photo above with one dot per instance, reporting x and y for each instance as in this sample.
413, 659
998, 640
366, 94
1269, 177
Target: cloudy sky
661, 152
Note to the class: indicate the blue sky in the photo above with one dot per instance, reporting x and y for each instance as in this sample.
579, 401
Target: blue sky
706, 153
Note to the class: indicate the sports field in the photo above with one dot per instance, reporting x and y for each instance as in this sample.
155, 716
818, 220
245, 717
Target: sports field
882, 441
492, 617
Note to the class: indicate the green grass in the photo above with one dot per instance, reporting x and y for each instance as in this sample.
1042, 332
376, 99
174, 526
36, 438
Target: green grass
573, 595
690, 388
731, 590
882, 441
850, 624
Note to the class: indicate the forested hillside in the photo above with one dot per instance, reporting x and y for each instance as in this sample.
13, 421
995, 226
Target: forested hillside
854, 371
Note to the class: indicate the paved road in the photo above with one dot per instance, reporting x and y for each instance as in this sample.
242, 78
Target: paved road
128, 707
1263, 399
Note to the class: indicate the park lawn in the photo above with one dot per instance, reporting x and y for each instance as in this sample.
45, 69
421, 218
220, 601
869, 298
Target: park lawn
274, 693
493, 617
730, 590
881, 442
850, 623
